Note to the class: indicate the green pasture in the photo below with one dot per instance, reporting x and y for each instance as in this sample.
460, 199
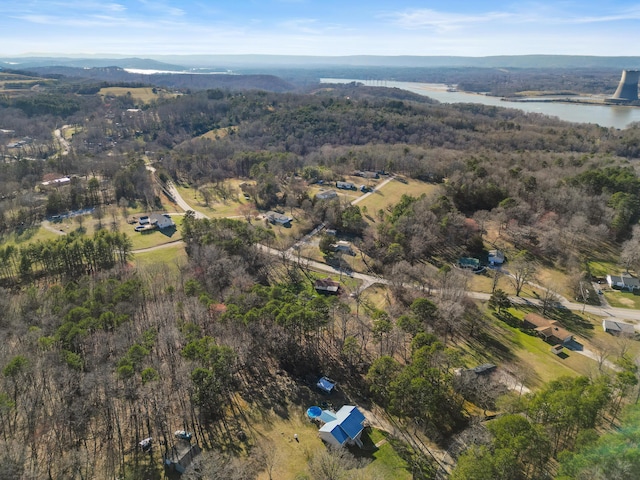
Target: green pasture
391, 194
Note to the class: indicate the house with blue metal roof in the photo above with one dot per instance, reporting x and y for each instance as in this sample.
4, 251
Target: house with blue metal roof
345, 428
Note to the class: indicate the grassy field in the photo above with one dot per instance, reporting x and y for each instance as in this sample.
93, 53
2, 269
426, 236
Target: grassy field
172, 257
542, 366
217, 207
30, 235
219, 133
143, 94
620, 299
601, 268
391, 193
139, 240
289, 458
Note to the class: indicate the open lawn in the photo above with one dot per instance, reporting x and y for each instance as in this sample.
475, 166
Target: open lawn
542, 365
29, 235
219, 133
289, 458
139, 240
143, 94
171, 257
602, 268
225, 200
391, 193
616, 298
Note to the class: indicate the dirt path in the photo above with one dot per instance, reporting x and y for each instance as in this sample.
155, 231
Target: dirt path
378, 187
46, 224
159, 247
61, 140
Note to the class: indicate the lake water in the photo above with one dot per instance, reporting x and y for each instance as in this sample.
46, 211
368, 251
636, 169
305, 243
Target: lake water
603, 115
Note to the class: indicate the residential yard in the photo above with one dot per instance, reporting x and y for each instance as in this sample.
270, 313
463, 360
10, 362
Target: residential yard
542, 365
289, 458
391, 193
224, 201
139, 240
619, 299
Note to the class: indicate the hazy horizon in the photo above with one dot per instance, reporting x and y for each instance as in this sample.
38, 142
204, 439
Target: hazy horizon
302, 27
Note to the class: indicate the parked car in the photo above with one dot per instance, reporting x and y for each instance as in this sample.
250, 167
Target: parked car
183, 435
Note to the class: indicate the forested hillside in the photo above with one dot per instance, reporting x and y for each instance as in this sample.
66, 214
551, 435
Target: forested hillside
110, 340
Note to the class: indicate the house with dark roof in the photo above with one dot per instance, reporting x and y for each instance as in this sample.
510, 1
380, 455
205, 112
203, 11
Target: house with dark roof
618, 328
343, 428
279, 218
326, 285
623, 282
179, 457
496, 258
550, 330
326, 194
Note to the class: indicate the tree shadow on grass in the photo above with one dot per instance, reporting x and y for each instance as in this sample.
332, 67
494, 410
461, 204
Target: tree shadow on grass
572, 321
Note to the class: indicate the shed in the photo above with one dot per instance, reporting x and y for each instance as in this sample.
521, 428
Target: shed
616, 327
345, 429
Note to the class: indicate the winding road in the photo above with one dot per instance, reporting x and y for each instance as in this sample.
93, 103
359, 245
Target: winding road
368, 280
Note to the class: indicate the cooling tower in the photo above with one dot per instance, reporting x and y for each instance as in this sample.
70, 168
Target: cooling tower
628, 87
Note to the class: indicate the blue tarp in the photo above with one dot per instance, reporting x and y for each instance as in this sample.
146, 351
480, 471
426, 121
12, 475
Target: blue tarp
325, 384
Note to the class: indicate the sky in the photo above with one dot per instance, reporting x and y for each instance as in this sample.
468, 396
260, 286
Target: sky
320, 27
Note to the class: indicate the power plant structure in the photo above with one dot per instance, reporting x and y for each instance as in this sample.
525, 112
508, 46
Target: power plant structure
627, 90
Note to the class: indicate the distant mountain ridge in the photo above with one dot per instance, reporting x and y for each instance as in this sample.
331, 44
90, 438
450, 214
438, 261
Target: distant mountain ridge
172, 80
223, 62
500, 61
23, 63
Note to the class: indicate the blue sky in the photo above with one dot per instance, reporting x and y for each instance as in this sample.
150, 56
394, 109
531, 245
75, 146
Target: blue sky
314, 27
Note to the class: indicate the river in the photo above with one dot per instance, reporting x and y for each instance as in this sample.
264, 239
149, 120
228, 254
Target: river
604, 115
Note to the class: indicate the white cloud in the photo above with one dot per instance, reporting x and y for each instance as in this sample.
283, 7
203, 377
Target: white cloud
443, 21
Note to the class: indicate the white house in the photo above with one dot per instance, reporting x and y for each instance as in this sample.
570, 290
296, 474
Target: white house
623, 282
161, 221
343, 428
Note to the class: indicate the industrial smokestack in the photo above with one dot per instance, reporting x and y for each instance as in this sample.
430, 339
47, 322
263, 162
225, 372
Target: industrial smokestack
628, 87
